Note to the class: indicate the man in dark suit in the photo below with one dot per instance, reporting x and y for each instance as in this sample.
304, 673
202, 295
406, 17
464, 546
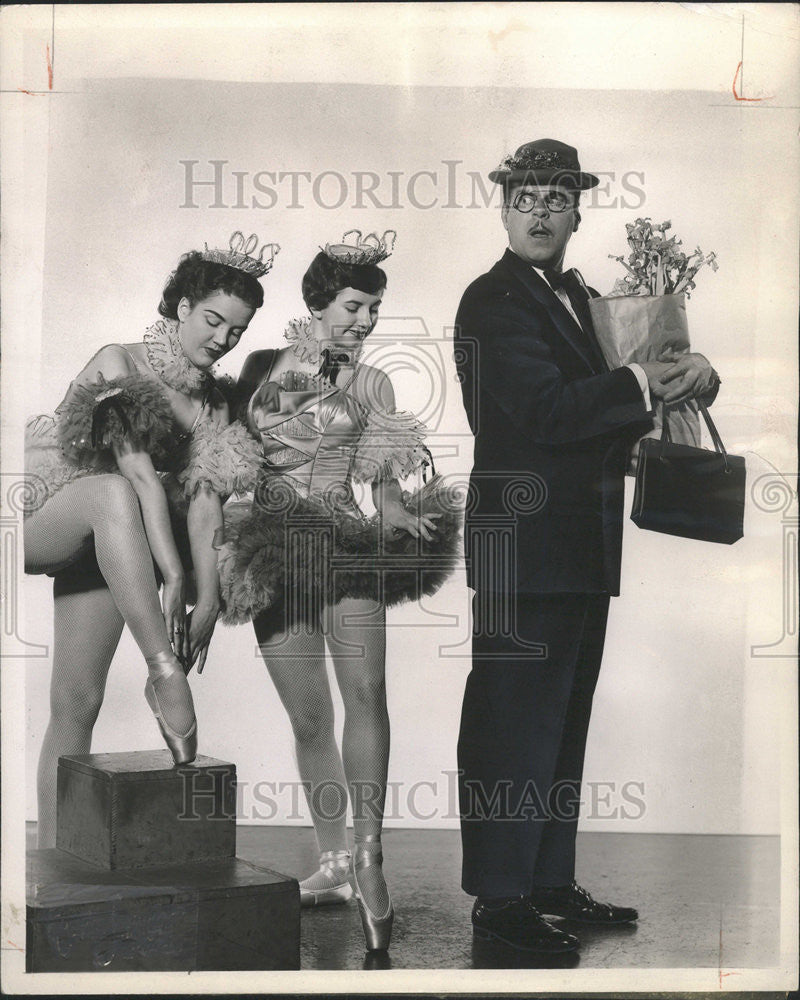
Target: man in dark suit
553, 426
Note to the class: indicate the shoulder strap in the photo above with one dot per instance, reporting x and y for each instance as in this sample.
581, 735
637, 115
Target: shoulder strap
245, 387
133, 359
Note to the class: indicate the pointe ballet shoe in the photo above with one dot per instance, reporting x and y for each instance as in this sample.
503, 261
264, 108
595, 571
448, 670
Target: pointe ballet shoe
377, 929
328, 885
162, 666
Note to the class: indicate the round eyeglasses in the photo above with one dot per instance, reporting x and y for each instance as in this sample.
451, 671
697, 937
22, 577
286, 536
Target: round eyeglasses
553, 201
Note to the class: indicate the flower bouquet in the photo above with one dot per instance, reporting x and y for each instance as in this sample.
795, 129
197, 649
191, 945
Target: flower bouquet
645, 314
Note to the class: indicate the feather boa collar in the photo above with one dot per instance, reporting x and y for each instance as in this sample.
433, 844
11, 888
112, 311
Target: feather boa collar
166, 358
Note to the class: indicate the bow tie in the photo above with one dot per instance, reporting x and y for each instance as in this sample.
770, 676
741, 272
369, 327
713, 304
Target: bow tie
560, 279
578, 295
330, 364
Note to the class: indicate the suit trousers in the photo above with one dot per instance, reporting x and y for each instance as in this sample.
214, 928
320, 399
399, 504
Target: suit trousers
527, 703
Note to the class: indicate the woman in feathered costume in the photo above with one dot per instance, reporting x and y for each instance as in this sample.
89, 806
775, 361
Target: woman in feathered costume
141, 422
310, 569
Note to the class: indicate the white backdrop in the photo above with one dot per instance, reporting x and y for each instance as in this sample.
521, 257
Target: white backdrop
687, 719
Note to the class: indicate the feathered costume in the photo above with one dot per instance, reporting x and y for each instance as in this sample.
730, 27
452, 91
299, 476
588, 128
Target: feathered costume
303, 538
134, 409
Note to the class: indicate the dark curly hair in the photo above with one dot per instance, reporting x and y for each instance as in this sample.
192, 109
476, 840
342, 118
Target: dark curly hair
195, 279
325, 278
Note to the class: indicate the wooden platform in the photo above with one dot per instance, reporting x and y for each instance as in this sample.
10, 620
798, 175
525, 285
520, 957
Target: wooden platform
222, 915
144, 878
138, 810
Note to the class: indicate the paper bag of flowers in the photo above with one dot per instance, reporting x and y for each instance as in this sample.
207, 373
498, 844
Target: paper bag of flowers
644, 317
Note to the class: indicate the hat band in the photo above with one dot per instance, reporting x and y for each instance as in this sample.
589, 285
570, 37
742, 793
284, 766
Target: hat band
546, 160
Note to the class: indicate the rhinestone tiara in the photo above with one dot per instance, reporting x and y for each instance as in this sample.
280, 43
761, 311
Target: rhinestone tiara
242, 254
370, 249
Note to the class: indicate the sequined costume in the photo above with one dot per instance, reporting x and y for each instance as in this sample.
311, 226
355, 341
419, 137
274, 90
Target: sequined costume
78, 440
304, 537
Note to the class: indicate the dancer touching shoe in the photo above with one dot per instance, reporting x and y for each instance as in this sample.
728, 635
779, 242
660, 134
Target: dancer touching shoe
139, 453
303, 562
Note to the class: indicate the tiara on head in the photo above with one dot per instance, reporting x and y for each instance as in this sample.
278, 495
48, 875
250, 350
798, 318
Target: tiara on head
241, 254
370, 249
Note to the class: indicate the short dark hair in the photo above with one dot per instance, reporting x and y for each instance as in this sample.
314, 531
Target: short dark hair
325, 278
195, 279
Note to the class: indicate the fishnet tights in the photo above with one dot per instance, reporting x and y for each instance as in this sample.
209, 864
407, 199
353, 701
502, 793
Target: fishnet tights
81, 658
104, 511
355, 632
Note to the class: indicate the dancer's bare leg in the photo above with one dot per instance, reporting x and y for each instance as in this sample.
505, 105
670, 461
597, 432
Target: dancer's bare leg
295, 658
102, 511
87, 630
355, 631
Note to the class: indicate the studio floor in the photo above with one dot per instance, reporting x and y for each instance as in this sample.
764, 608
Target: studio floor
704, 901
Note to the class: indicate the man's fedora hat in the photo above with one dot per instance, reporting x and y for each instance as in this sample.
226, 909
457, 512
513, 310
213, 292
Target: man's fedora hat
544, 161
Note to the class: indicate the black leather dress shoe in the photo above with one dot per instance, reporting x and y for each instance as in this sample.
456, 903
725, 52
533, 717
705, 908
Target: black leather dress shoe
575, 903
518, 924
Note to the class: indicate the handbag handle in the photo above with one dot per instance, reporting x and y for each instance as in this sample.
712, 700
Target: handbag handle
666, 436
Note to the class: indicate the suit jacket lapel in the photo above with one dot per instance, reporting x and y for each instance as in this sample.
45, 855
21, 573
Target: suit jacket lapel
579, 296
538, 289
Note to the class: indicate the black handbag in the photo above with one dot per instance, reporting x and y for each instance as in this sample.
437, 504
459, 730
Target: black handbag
691, 492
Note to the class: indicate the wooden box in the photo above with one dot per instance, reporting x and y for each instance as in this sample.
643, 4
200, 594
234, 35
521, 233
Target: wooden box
222, 915
133, 810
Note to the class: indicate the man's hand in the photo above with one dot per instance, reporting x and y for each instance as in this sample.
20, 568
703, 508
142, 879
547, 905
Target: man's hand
690, 376
655, 370
674, 378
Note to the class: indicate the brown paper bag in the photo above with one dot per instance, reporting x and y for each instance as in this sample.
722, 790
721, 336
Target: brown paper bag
638, 328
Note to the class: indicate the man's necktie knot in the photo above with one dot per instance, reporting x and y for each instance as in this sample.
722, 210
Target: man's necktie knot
559, 279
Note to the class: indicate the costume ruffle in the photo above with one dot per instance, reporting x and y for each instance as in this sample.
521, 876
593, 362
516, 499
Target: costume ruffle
320, 549
304, 344
165, 354
391, 446
225, 458
129, 409
46, 468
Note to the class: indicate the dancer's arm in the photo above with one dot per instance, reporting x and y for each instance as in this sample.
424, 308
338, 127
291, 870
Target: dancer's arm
204, 521
386, 493
134, 462
137, 467
224, 459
